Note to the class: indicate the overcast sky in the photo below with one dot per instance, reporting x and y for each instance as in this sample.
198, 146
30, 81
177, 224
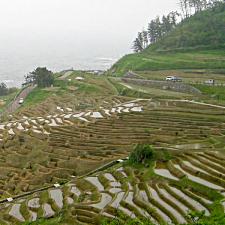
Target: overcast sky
103, 27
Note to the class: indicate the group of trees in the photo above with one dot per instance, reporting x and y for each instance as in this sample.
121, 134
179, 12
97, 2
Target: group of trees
41, 76
4, 90
159, 27
190, 7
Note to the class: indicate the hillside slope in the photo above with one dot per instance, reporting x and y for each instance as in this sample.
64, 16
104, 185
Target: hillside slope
196, 43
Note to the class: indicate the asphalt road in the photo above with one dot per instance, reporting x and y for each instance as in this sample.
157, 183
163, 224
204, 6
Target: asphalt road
14, 105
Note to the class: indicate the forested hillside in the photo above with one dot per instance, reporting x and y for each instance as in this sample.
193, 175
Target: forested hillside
206, 28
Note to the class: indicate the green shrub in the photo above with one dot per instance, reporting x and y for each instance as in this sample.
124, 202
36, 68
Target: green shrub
121, 221
196, 218
141, 153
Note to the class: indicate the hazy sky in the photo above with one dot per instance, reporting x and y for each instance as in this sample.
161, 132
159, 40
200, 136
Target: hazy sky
60, 34
93, 27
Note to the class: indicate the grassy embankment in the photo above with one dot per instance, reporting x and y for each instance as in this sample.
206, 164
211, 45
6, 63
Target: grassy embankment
216, 93
171, 60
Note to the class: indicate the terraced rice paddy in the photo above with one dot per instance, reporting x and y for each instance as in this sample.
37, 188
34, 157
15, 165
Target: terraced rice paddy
107, 194
39, 151
192, 177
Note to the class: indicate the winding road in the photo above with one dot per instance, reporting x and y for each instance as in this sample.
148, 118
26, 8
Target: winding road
14, 105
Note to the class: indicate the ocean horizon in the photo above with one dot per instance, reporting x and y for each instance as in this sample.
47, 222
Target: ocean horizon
13, 69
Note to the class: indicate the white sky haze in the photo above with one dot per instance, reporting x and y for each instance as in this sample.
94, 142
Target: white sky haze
78, 23
70, 33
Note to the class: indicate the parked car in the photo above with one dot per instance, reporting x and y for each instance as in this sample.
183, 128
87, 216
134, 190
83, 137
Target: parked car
21, 101
173, 78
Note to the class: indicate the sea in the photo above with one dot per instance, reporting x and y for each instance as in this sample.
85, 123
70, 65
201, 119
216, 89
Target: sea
13, 67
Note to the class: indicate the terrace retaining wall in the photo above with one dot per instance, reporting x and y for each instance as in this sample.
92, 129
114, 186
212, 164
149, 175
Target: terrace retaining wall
164, 85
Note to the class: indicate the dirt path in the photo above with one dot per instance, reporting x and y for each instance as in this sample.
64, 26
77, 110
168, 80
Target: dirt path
64, 76
127, 86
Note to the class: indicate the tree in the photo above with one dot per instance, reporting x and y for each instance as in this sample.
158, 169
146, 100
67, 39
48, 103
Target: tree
140, 38
184, 6
139, 43
41, 76
173, 16
158, 26
198, 5
187, 6
152, 31
145, 38
166, 25
155, 31
137, 46
3, 89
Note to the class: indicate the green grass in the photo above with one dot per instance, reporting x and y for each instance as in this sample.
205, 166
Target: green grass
214, 92
36, 96
81, 86
88, 88
60, 88
125, 91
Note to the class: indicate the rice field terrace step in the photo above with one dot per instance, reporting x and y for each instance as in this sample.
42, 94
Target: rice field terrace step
218, 168
57, 196
16, 213
200, 180
216, 160
158, 202
166, 208
205, 168
71, 145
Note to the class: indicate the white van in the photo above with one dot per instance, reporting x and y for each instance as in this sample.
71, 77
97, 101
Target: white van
173, 78
170, 78
21, 101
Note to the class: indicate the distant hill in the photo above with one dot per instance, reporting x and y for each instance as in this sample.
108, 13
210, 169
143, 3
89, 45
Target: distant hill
197, 42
